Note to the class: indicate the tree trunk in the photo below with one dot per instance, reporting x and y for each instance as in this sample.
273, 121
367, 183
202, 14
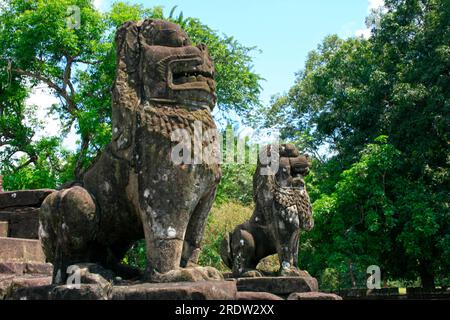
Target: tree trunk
79, 170
352, 277
426, 276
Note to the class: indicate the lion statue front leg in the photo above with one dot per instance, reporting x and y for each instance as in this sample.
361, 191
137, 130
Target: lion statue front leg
173, 245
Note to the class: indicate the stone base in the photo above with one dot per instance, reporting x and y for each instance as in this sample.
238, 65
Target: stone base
314, 296
39, 288
280, 286
10, 283
210, 290
257, 296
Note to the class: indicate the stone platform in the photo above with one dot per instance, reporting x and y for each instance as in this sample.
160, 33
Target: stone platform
231, 289
281, 286
25, 275
22, 260
211, 290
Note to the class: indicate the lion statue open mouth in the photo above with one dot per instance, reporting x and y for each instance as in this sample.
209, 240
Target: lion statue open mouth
282, 210
135, 190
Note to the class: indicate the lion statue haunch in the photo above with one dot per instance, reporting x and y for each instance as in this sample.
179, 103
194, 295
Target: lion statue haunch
134, 189
282, 210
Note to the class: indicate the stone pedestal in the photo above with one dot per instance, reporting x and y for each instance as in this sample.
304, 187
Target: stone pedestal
314, 296
206, 290
280, 286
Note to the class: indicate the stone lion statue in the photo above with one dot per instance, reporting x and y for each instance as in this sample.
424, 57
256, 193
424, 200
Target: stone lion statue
134, 190
282, 210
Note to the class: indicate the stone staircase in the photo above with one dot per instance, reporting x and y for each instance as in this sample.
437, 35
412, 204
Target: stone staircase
22, 261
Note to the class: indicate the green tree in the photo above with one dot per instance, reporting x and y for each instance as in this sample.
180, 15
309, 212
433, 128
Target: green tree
352, 91
78, 64
26, 161
376, 216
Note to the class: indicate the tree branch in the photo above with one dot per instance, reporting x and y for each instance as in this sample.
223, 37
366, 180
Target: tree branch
71, 106
67, 72
79, 165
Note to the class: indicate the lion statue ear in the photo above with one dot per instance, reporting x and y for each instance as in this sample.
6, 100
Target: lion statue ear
128, 48
126, 94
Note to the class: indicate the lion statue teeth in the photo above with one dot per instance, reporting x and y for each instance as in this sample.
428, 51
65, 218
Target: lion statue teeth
283, 209
164, 83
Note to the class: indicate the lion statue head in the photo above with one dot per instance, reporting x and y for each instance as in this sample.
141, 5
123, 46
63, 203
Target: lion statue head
284, 189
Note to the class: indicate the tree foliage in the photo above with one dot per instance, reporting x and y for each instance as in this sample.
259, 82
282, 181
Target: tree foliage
78, 64
388, 206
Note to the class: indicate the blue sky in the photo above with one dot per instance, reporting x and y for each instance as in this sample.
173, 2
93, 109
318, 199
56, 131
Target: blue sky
285, 31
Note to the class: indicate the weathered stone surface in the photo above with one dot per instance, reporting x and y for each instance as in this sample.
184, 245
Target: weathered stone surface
20, 268
11, 283
189, 275
211, 290
274, 230
23, 222
23, 198
278, 285
255, 296
51, 292
32, 293
163, 83
313, 296
5, 283
85, 292
12, 249
3, 229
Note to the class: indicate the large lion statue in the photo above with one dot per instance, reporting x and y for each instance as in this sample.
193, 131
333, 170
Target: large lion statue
282, 210
135, 189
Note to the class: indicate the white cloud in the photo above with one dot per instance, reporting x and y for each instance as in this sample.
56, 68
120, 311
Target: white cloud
375, 4
43, 99
98, 4
366, 33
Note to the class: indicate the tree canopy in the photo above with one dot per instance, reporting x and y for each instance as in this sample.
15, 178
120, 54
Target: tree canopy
38, 47
381, 105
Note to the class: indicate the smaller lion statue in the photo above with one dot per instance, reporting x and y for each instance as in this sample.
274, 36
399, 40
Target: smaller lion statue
282, 210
